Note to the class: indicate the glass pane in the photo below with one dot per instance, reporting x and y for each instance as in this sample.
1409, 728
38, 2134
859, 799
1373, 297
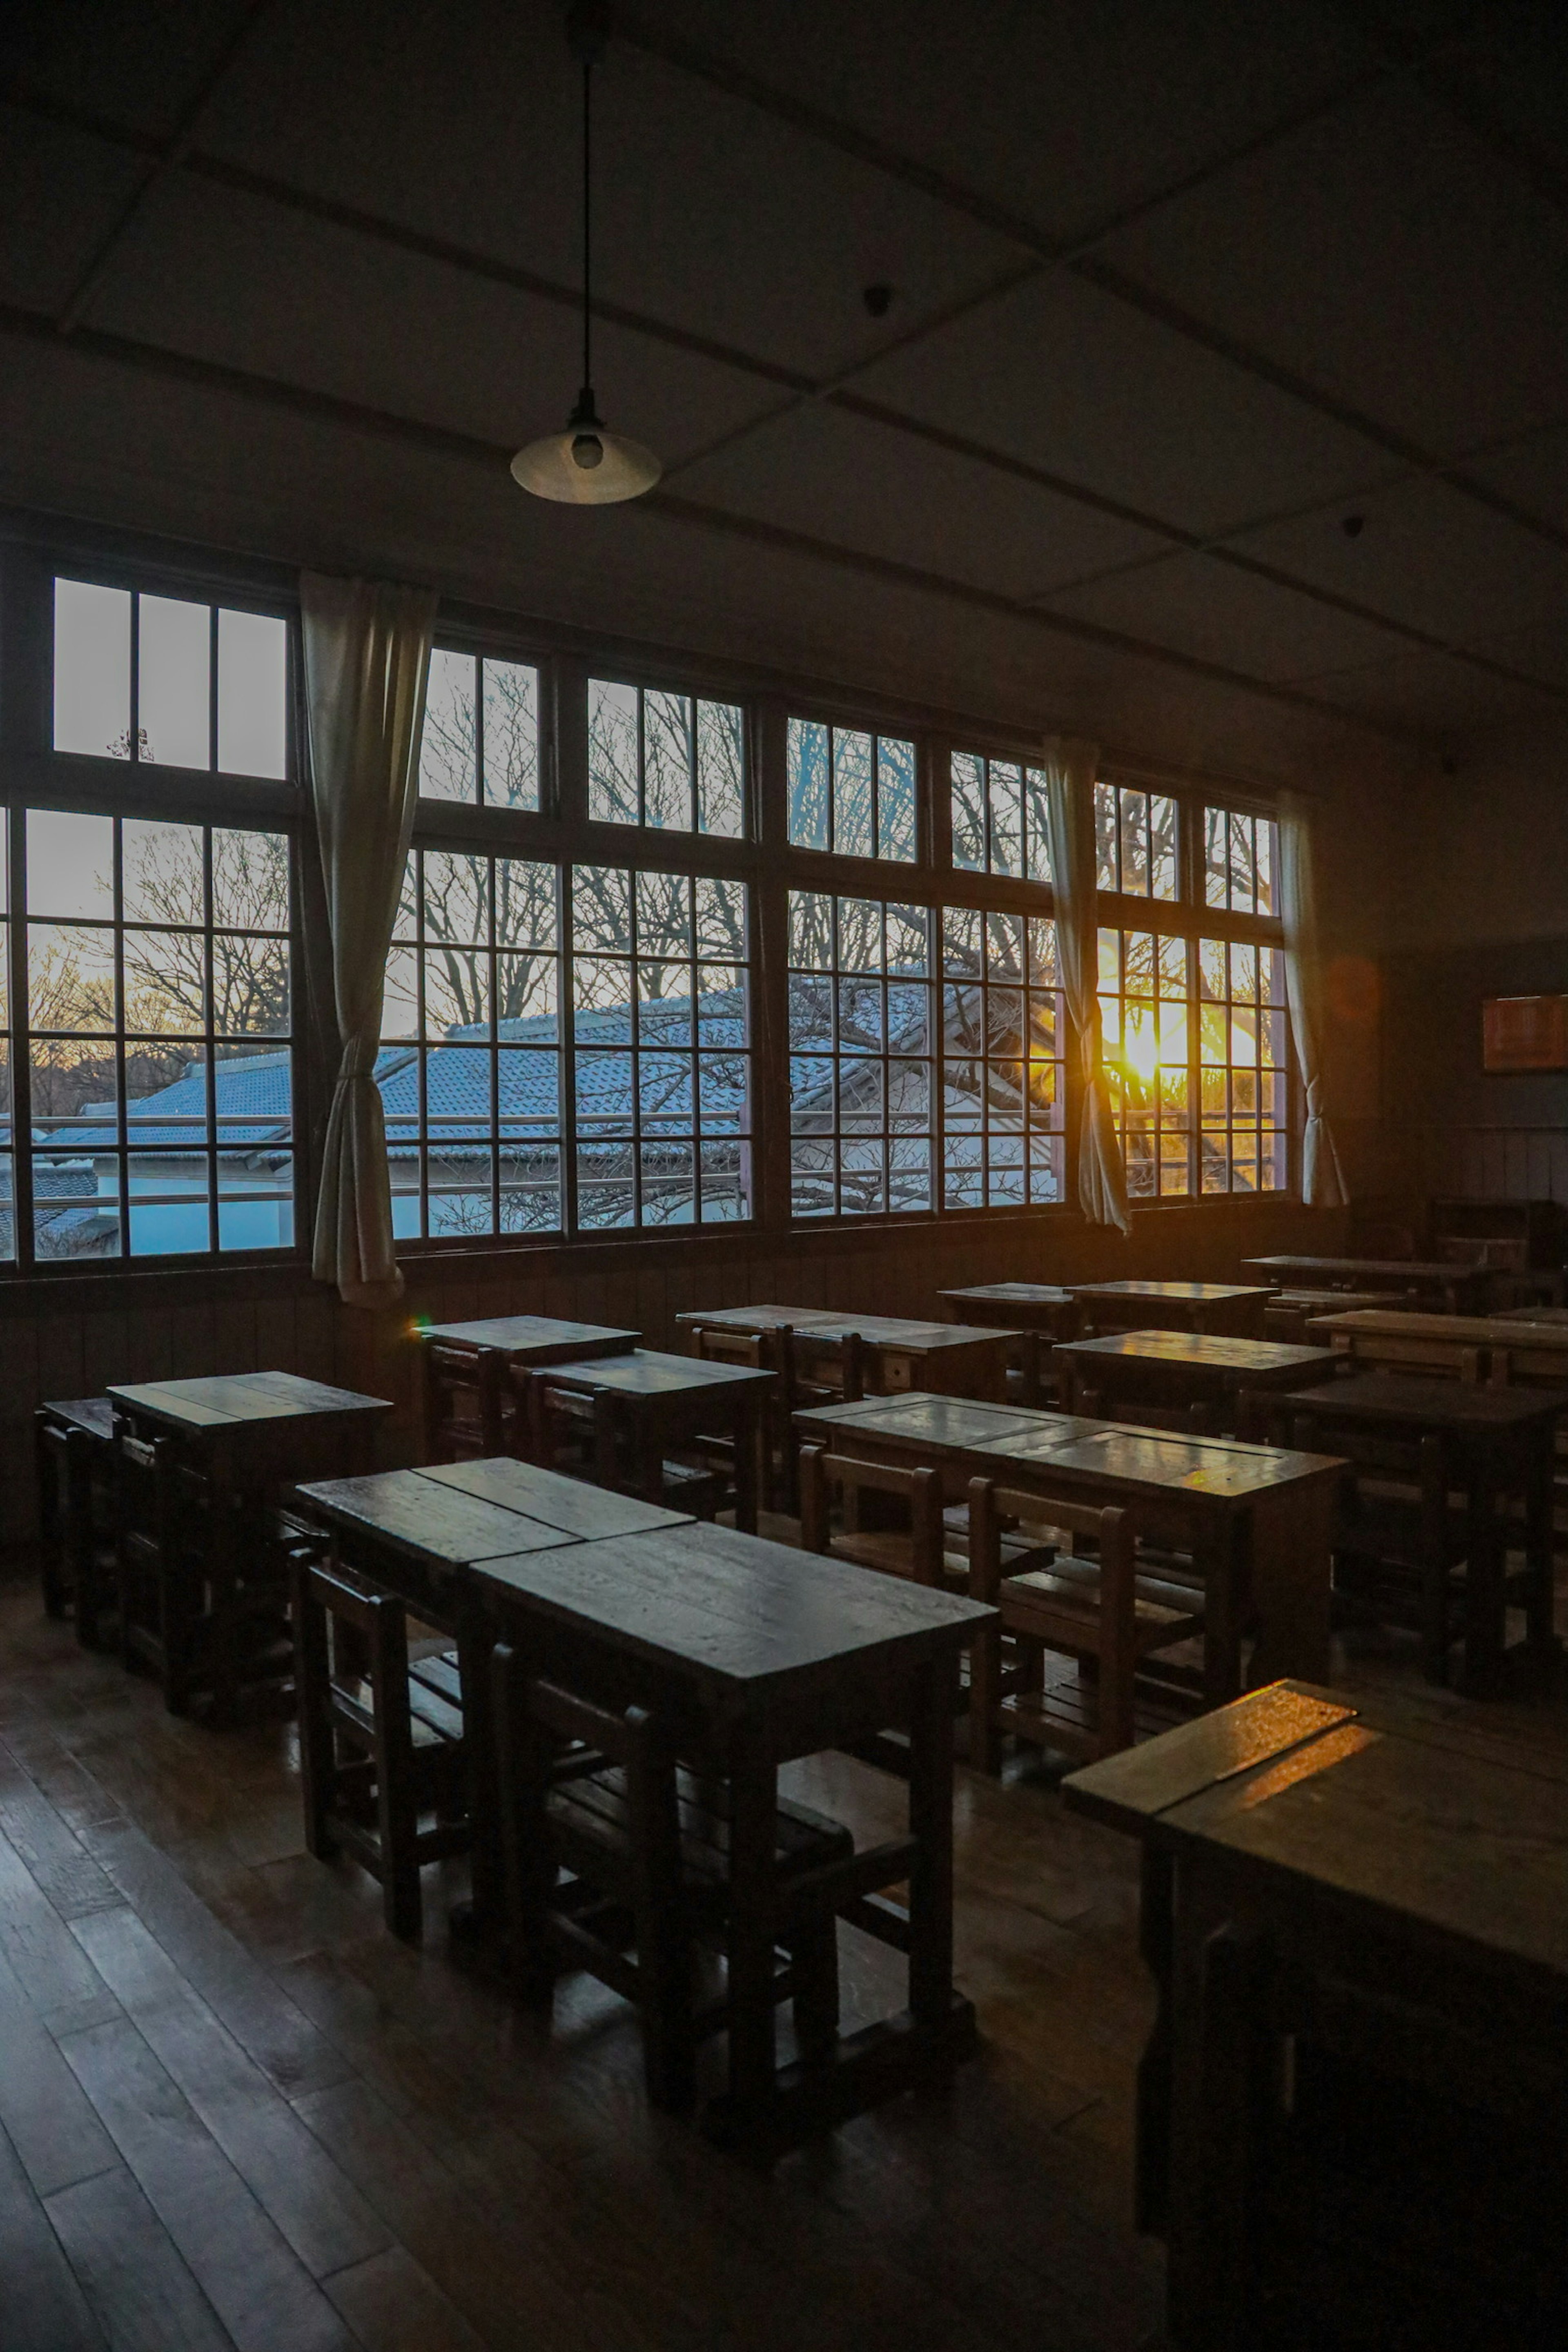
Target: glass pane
720, 768
1241, 887
92, 669
1005, 811
70, 865
7, 1213
809, 784
448, 768
456, 989
669, 757
162, 873
75, 1224
601, 907
853, 825
613, 754
456, 889
720, 912
1215, 893
969, 811
71, 977
909, 940
1105, 837
511, 691
252, 700
895, 798
859, 935
256, 1204
526, 989
250, 881
165, 981
1163, 844
525, 908
1267, 844
175, 693
810, 931
250, 986
1133, 843
1036, 815
400, 999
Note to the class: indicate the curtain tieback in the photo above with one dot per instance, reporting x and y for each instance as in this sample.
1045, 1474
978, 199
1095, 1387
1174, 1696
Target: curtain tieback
359, 1060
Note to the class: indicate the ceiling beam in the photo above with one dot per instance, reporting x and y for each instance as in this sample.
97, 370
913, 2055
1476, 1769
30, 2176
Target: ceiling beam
156, 360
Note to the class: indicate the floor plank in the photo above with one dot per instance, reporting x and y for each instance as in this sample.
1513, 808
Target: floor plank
144, 2298
42, 2306
50, 2120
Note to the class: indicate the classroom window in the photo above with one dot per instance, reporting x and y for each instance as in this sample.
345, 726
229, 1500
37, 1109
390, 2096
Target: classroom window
661, 1082
999, 817
850, 791
1135, 841
664, 760
469, 1068
165, 682
480, 742
158, 1027
1241, 862
1002, 1026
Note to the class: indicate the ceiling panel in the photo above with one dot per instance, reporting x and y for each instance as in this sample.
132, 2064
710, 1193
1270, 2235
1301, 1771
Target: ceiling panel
60, 191
1068, 379
120, 57
1534, 473
707, 213
1427, 555
1433, 692
1207, 608
1387, 255
849, 481
228, 277
1066, 114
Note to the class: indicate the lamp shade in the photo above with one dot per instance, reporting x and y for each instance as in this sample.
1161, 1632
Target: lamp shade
586, 466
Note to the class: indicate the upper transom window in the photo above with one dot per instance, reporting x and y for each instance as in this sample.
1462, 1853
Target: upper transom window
168, 683
999, 820
668, 759
1135, 841
851, 792
1241, 862
481, 731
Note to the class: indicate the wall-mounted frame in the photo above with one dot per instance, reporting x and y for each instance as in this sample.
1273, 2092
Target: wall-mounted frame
1524, 1033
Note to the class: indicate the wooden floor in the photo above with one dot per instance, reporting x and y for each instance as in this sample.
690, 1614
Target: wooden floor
233, 2111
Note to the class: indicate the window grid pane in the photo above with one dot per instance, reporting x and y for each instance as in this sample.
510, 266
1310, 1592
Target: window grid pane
999, 822
159, 1028
1002, 1043
860, 1057
662, 1065
1241, 862
666, 760
469, 1067
850, 791
1146, 1024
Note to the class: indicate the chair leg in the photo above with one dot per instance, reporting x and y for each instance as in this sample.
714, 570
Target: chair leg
397, 1818
984, 1697
312, 1683
528, 1869
814, 1957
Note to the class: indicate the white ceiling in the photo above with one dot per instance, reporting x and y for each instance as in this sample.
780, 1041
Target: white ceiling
1178, 287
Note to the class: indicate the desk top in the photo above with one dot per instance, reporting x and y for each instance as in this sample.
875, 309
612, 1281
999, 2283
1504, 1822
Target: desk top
831, 1325
1182, 1293
648, 1373
230, 1400
1379, 1269
535, 1339
1461, 1330
992, 1436
1461, 1405
457, 1514
736, 1614
757, 1319
1208, 1350
1359, 1798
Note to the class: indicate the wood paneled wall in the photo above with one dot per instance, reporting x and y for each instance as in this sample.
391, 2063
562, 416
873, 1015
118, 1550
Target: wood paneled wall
70, 1338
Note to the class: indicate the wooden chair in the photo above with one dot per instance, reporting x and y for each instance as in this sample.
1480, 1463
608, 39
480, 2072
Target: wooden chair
462, 1402
617, 1861
74, 1451
585, 1437
1098, 1610
918, 1546
382, 1757
760, 1351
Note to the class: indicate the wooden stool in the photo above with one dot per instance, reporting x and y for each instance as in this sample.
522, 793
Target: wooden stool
381, 1739
74, 1449
644, 1847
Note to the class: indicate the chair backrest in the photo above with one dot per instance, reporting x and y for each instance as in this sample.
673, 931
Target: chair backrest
546, 1416
538, 1717
718, 1343
993, 1506
462, 1398
822, 1474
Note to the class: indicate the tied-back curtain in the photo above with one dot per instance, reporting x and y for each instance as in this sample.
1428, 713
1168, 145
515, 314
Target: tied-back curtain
1069, 764
367, 653
1322, 1179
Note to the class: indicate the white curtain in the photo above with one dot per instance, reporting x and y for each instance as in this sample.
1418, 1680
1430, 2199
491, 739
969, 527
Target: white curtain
368, 654
1322, 1179
1070, 765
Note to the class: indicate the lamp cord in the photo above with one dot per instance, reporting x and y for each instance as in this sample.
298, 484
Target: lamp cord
587, 219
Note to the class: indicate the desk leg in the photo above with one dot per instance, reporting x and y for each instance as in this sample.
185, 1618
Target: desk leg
1484, 1625
930, 1826
476, 1642
753, 1811
1211, 2250
1219, 1552
749, 1427
1152, 2162
1292, 1541
223, 1571
1538, 1553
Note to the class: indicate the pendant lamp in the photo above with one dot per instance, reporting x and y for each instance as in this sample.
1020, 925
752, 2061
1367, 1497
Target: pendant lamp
586, 466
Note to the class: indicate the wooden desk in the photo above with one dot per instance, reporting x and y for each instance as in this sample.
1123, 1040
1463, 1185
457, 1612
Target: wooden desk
751, 1653
1289, 1313
899, 1355
1496, 1348
1038, 1310
251, 1435
1342, 1896
515, 1339
1219, 1307
1176, 1371
661, 1401
1459, 1287
1258, 1520
1500, 1444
